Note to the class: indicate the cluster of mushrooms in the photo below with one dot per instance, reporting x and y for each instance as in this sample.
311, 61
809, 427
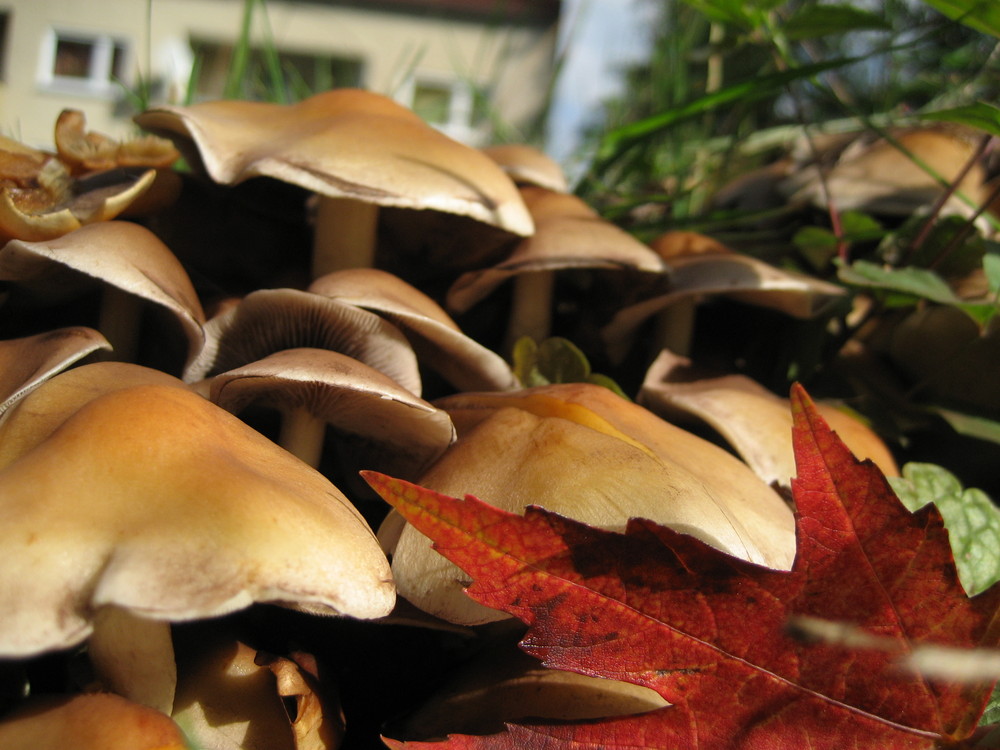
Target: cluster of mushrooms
197, 362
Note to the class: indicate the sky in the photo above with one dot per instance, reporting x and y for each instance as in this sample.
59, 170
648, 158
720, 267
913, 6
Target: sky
603, 36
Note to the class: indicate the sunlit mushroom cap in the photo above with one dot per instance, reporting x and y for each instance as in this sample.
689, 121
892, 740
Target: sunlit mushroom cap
90, 721
581, 451
26, 362
405, 433
528, 166
154, 500
435, 337
568, 234
270, 320
120, 254
344, 143
40, 200
754, 421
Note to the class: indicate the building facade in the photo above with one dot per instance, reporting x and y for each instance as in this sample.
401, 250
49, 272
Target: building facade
478, 69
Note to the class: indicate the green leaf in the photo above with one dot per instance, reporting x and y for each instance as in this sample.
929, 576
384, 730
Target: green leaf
979, 115
981, 428
981, 15
616, 142
992, 713
972, 520
822, 20
904, 286
555, 360
991, 267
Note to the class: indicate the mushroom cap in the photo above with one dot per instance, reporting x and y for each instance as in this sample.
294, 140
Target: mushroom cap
568, 234
91, 721
39, 413
880, 178
26, 362
435, 337
350, 396
56, 204
528, 166
754, 421
344, 143
154, 500
118, 253
581, 451
270, 320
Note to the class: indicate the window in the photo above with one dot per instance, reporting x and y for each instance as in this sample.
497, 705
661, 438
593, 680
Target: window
4, 25
80, 63
445, 104
302, 73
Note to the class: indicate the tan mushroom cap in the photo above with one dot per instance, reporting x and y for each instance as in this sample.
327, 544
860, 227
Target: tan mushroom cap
754, 421
230, 695
270, 320
345, 143
882, 178
528, 166
39, 413
28, 361
581, 451
91, 721
568, 234
435, 337
155, 501
702, 267
124, 256
55, 207
405, 433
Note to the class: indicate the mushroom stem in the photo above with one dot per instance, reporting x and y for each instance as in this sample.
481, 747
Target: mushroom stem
530, 308
344, 236
674, 327
134, 657
302, 435
119, 320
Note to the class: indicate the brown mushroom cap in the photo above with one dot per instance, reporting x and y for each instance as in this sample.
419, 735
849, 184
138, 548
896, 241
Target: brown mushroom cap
754, 421
270, 320
124, 256
435, 337
26, 362
568, 234
345, 143
406, 432
528, 166
153, 500
581, 451
92, 721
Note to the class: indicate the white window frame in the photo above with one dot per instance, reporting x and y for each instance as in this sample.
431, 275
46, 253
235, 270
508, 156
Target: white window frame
458, 124
99, 82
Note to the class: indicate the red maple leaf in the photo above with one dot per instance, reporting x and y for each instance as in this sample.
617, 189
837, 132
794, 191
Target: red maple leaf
708, 631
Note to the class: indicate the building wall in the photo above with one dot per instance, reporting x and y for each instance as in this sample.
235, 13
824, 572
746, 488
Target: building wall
400, 54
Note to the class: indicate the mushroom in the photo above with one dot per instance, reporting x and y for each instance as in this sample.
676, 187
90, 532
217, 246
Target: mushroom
434, 336
887, 176
584, 452
270, 320
314, 388
702, 267
231, 696
754, 421
40, 200
357, 150
527, 165
28, 361
148, 505
568, 235
131, 262
90, 721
